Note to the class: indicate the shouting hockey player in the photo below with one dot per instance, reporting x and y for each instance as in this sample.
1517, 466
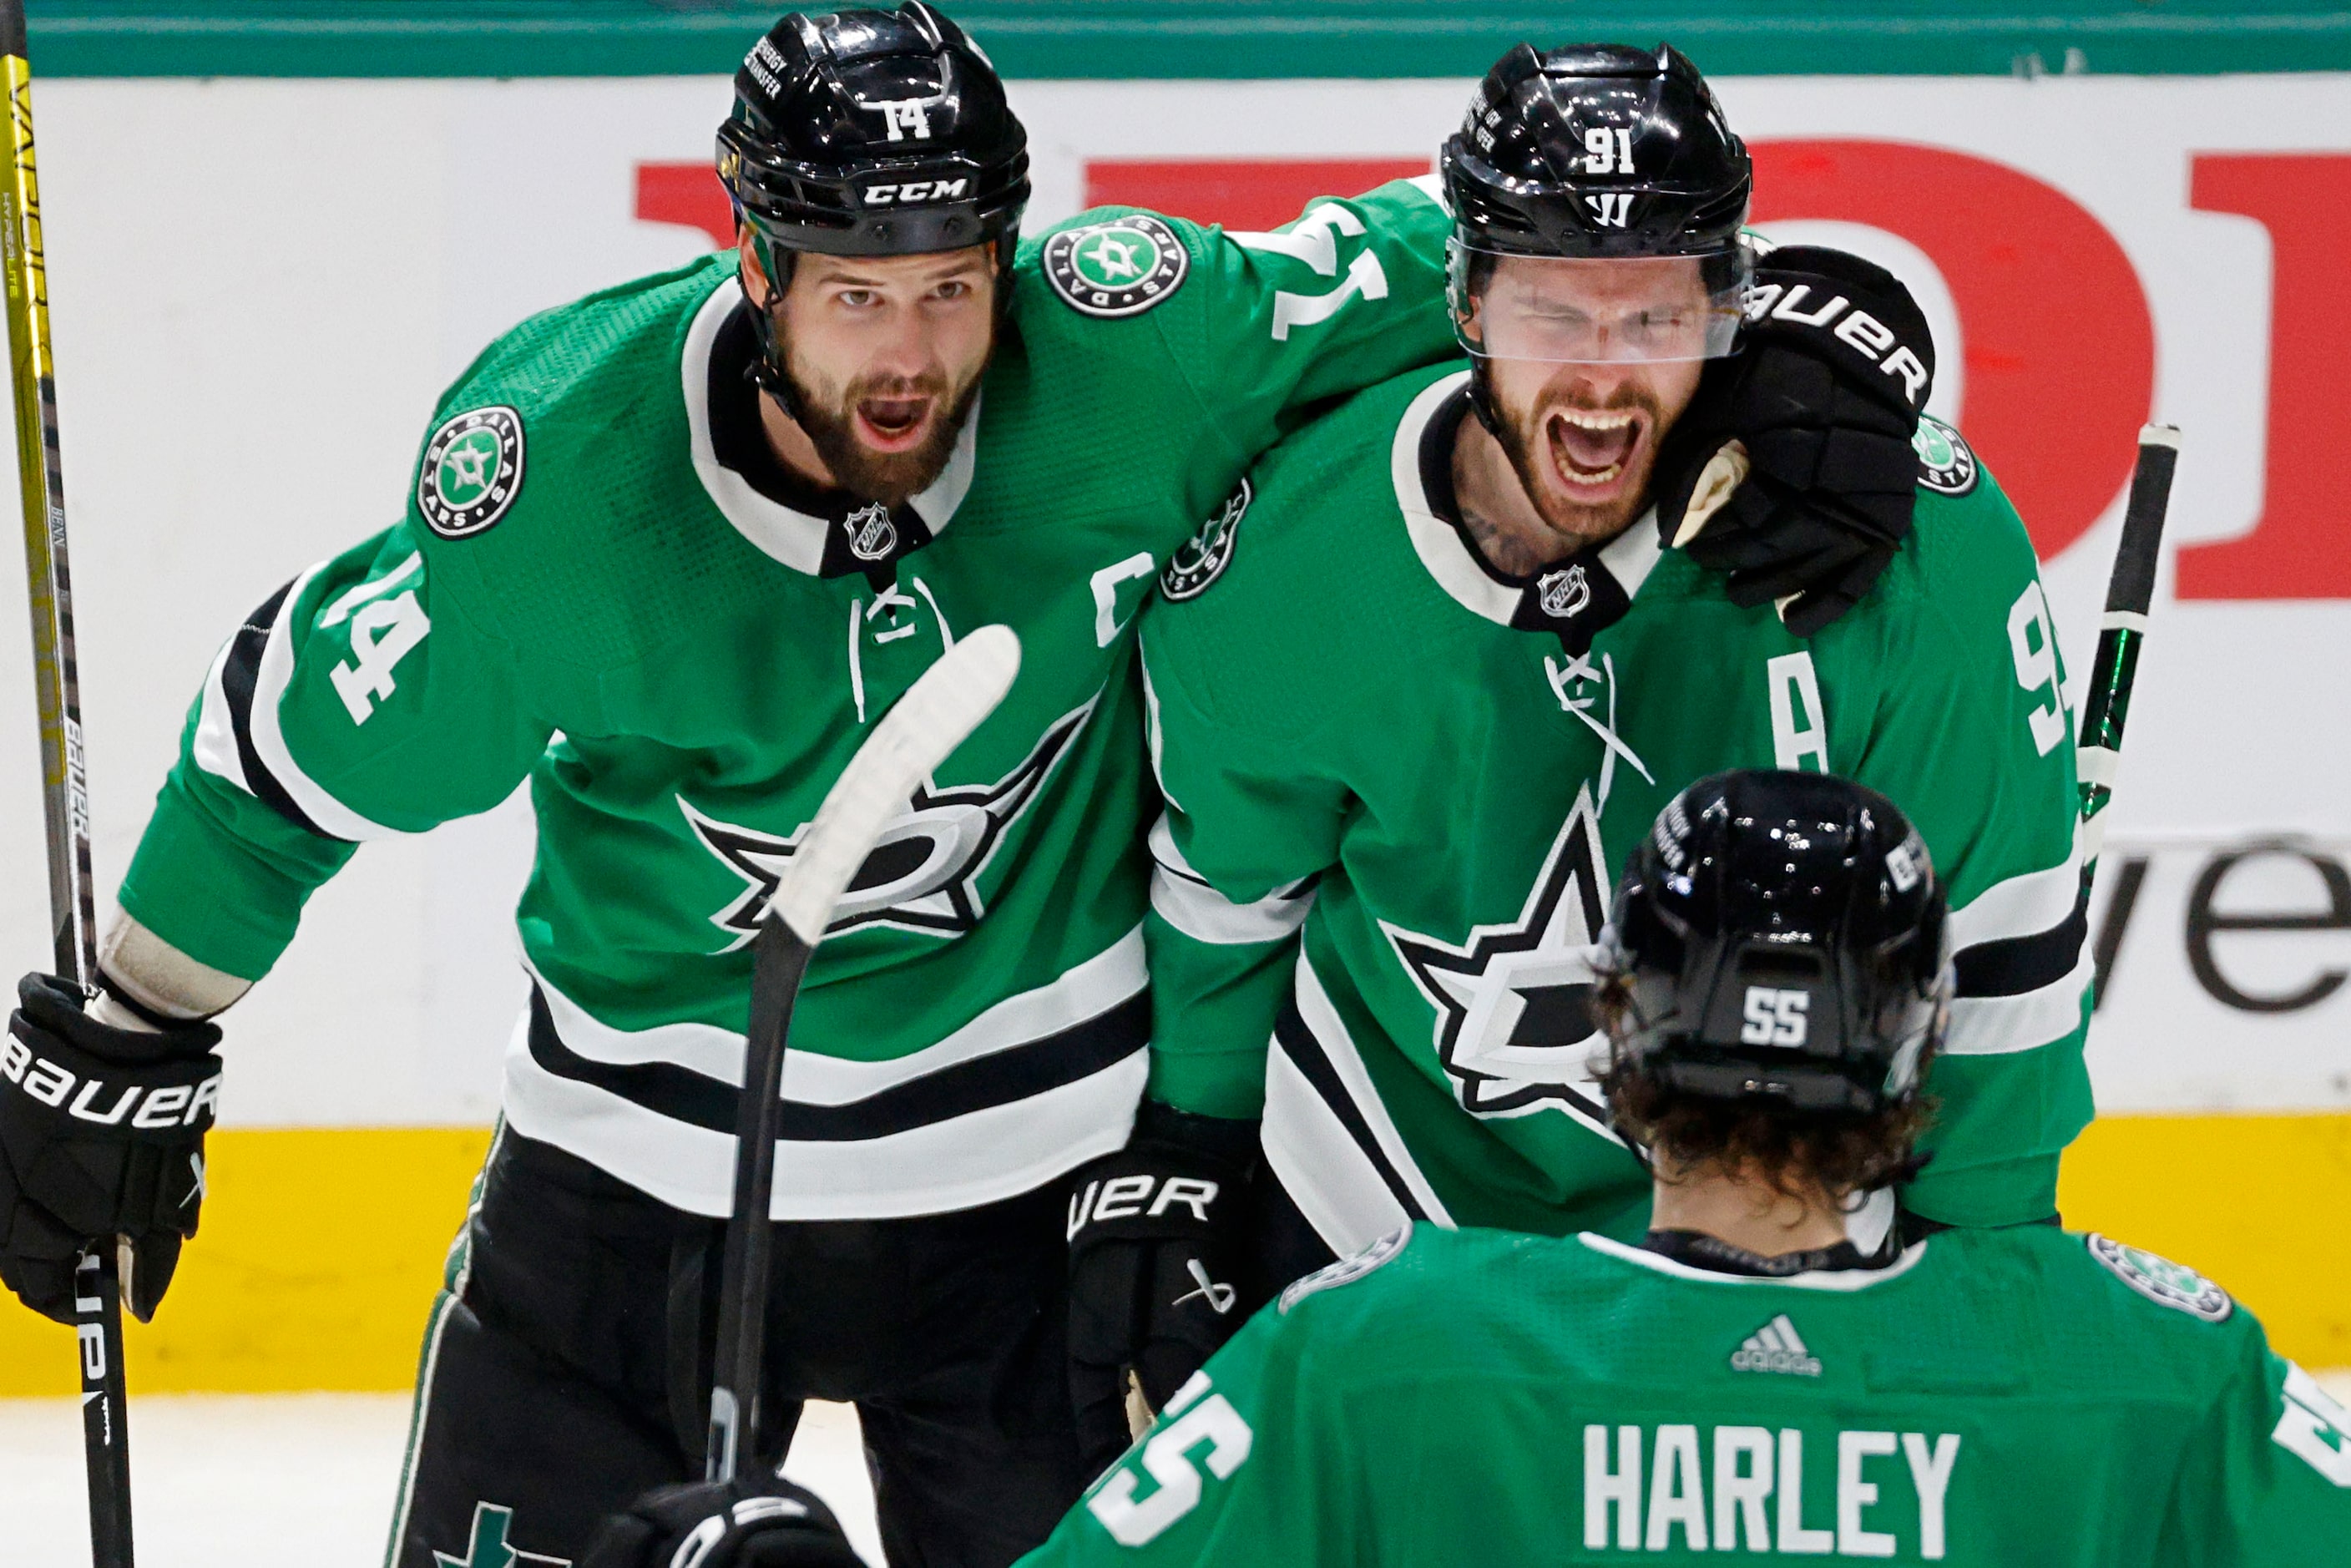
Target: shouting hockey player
1436, 665
1745, 1379
669, 552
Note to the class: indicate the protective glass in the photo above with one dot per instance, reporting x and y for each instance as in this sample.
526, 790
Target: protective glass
1595, 309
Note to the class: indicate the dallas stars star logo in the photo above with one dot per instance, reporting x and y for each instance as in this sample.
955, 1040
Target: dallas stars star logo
1514, 1025
923, 873
488, 1548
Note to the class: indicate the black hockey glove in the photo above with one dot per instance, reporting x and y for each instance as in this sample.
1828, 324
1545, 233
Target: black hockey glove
1152, 1266
101, 1133
1821, 401
754, 1521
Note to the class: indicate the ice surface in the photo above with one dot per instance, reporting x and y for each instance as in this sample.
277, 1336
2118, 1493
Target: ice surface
306, 1481
288, 1480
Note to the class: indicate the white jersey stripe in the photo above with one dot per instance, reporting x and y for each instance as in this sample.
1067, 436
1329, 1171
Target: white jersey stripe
214, 746
984, 1156
2022, 905
1998, 1026
1084, 991
1321, 1166
269, 684
1197, 910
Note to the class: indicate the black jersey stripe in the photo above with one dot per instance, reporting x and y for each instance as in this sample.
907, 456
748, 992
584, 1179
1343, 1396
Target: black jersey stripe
1000, 1078
1297, 1043
240, 672
2016, 965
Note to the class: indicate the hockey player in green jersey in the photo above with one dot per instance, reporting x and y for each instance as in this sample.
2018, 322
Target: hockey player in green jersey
1744, 1379
668, 553
1436, 665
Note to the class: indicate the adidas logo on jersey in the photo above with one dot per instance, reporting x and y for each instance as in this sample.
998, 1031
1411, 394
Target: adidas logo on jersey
1776, 1347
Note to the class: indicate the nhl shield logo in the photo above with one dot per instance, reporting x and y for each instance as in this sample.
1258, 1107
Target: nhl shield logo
872, 534
1564, 594
472, 471
1122, 267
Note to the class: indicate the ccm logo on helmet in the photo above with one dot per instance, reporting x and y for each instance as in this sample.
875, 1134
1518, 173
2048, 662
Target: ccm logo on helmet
1860, 332
1125, 1197
915, 191
173, 1105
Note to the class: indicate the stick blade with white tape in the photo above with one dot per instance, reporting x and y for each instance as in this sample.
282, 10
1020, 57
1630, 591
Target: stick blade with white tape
2130, 590
938, 710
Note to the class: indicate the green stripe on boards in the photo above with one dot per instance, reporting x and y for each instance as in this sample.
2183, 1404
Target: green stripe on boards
1188, 38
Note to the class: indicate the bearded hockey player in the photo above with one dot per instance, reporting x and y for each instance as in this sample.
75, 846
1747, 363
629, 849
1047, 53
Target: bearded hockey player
669, 552
1745, 1379
1435, 666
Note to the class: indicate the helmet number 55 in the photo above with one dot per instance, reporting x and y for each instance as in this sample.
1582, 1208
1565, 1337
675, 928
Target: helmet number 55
1775, 1017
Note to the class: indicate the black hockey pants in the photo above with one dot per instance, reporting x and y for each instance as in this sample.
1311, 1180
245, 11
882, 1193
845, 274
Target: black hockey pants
566, 1368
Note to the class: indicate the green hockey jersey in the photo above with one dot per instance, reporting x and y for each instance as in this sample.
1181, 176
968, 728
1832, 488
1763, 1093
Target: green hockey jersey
2014, 1399
1399, 787
585, 593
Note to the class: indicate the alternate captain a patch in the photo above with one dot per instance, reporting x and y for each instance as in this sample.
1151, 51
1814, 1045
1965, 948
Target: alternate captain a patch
472, 471
1947, 465
1122, 267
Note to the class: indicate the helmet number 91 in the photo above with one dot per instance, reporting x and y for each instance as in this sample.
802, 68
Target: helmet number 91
1608, 150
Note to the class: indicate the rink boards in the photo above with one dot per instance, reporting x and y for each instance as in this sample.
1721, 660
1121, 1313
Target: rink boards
259, 286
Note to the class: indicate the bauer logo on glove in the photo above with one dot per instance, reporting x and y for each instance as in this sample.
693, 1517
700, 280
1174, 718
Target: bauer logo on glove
101, 1133
1792, 472
1814, 303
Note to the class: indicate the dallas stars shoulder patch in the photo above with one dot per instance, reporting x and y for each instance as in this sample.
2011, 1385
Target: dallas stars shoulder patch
1947, 463
1346, 1271
472, 471
2162, 1280
1203, 559
1122, 267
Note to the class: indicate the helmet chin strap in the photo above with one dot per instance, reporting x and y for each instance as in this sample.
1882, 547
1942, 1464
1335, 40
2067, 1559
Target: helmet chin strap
766, 371
1481, 395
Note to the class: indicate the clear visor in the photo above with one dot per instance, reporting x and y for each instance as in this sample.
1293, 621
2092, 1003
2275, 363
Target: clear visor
1591, 309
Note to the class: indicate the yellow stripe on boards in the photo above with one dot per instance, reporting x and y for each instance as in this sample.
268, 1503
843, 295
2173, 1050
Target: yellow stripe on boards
322, 1249
316, 1267
2260, 1202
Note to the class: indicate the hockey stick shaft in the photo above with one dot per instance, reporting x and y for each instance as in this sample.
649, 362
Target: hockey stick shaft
2122, 634
65, 792
941, 708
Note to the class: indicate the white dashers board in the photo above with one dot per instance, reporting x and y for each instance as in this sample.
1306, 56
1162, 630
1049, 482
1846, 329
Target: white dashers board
249, 349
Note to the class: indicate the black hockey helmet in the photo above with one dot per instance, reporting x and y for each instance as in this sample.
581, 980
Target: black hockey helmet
1597, 150
1780, 934
872, 133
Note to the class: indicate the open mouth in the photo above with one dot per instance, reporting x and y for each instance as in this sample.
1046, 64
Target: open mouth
892, 424
1591, 447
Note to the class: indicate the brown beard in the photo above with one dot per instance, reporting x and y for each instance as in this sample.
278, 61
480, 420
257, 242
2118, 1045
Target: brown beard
1519, 430
889, 477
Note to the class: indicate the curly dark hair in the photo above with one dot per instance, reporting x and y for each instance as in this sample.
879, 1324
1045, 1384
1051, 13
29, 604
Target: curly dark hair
1798, 1154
